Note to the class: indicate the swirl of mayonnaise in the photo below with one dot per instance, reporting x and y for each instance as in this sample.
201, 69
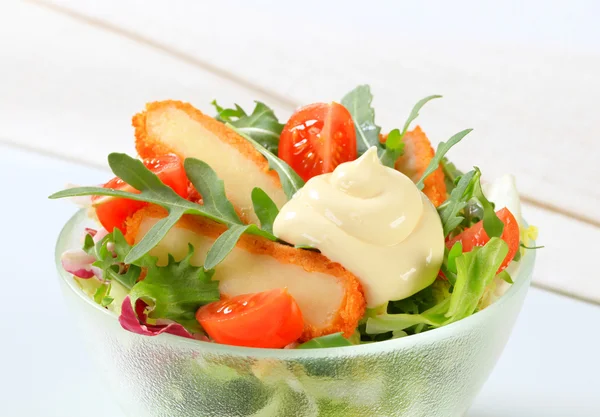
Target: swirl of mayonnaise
374, 221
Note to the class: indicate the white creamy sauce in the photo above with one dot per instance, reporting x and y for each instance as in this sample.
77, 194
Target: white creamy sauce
372, 220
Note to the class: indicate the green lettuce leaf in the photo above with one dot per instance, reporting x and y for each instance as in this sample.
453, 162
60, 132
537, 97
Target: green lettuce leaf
436, 305
424, 309
101, 295
475, 271
176, 291
449, 263
398, 322
328, 341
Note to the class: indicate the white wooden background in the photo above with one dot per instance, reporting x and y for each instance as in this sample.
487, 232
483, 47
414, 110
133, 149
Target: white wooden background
523, 74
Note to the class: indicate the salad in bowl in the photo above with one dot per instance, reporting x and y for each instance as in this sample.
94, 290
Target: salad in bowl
323, 232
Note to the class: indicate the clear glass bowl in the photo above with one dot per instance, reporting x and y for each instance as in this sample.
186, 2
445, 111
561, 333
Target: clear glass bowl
436, 373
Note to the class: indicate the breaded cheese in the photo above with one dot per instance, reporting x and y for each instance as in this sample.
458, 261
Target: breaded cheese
179, 128
330, 297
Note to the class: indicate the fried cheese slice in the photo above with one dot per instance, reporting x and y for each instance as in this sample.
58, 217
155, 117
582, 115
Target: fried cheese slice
179, 128
330, 297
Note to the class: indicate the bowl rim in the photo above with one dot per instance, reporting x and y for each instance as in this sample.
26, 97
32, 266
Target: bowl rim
521, 283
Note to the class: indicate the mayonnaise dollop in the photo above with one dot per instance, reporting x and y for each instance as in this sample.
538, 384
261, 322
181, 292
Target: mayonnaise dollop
372, 220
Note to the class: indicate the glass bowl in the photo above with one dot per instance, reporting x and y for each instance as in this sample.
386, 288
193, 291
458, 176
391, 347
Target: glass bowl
436, 373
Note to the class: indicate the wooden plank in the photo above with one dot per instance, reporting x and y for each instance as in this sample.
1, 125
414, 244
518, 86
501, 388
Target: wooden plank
533, 108
568, 262
70, 89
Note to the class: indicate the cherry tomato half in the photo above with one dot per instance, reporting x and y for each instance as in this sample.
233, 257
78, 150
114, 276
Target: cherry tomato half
269, 319
318, 138
112, 212
476, 236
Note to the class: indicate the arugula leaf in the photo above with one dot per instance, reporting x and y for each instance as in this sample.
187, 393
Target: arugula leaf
212, 190
290, 180
152, 190
394, 147
112, 262
358, 103
216, 206
441, 151
153, 236
176, 291
531, 247
475, 271
327, 341
451, 173
469, 187
473, 213
227, 115
394, 144
450, 210
223, 245
265, 209
262, 125
415, 112
492, 225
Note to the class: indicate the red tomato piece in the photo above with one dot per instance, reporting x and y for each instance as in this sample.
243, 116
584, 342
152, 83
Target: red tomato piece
112, 212
476, 236
318, 138
269, 319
